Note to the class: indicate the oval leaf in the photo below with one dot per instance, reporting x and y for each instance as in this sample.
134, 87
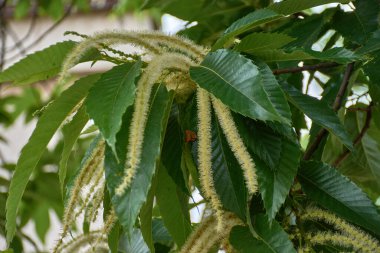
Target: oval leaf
271, 238
235, 80
128, 205
110, 97
31, 153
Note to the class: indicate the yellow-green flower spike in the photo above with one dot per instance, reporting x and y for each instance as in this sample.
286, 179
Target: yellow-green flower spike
236, 143
206, 235
139, 117
362, 239
87, 172
204, 153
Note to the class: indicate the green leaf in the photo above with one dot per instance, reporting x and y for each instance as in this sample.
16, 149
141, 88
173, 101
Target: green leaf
246, 23
43, 64
262, 16
146, 213
235, 80
292, 6
127, 206
363, 21
41, 220
110, 97
319, 112
272, 88
173, 207
172, 152
71, 132
47, 125
270, 238
339, 55
326, 186
227, 174
133, 243
281, 157
274, 184
256, 42
363, 165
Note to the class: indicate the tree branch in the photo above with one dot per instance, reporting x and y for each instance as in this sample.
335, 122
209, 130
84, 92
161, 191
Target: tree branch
358, 138
44, 34
336, 105
307, 67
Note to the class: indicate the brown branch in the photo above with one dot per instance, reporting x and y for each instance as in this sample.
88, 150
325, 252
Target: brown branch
3, 29
307, 67
358, 138
44, 34
336, 105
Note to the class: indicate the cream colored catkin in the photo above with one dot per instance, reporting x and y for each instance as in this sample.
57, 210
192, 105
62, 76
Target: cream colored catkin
87, 171
206, 235
139, 117
204, 154
240, 151
362, 240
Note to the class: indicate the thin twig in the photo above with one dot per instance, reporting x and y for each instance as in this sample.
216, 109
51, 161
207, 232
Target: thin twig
3, 28
32, 25
358, 138
43, 35
336, 105
306, 67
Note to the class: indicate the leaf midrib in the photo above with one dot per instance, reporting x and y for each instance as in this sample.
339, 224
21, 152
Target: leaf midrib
234, 88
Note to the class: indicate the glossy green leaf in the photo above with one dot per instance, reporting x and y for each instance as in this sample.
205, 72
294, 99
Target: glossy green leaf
42, 220
43, 64
47, 125
257, 42
339, 55
128, 205
71, 132
262, 16
246, 23
173, 207
227, 174
133, 243
292, 6
275, 94
261, 140
236, 81
274, 184
363, 21
319, 112
326, 186
110, 97
171, 156
363, 165
146, 214
278, 163
270, 237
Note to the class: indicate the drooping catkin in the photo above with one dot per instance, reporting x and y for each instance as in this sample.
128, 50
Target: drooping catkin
206, 235
339, 240
363, 240
204, 154
81, 241
236, 143
108, 38
87, 171
175, 42
139, 117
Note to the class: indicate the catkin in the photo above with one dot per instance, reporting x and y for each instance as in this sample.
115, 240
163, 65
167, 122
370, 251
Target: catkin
236, 143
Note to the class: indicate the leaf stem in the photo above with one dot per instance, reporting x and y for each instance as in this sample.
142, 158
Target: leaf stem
323, 65
336, 105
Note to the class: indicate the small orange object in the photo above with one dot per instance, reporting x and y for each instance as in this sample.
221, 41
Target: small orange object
190, 136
